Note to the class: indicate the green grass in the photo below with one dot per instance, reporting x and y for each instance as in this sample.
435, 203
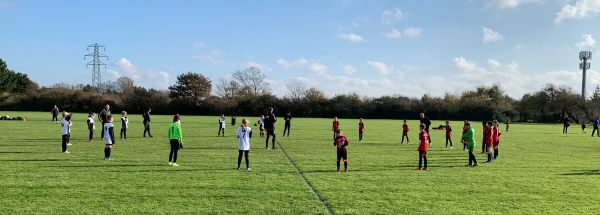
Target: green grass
539, 170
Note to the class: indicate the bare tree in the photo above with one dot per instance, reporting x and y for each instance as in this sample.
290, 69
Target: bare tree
252, 80
124, 85
297, 89
227, 89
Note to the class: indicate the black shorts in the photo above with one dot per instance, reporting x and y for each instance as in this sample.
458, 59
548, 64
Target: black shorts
271, 132
66, 138
175, 144
342, 154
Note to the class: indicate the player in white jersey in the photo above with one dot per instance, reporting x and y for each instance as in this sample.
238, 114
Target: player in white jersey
124, 124
109, 137
91, 125
221, 125
66, 131
244, 133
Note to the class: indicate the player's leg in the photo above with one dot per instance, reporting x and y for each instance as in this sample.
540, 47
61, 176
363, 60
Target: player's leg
339, 157
240, 152
345, 157
124, 133
273, 141
420, 161
64, 143
267, 140
246, 156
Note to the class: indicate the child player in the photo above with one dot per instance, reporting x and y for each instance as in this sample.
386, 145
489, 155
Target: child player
335, 127
583, 126
261, 125
124, 125
496, 137
463, 141
468, 137
221, 125
405, 133
448, 134
361, 129
489, 141
244, 133
423, 147
66, 131
341, 143
91, 125
175, 139
109, 137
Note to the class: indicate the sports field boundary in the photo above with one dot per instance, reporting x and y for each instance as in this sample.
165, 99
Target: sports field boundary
306, 181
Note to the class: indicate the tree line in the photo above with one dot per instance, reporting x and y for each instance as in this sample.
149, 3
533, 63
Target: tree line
247, 93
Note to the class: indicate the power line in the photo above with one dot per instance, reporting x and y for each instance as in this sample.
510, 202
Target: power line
96, 63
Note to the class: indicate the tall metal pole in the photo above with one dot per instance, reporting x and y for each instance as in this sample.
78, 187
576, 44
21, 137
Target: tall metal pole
584, 56
96, 63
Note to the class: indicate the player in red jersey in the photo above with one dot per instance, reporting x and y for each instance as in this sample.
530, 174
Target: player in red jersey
335, 127
423, 147
496, 137
341, 143
405, 133
361, 130
488, 141
448, 128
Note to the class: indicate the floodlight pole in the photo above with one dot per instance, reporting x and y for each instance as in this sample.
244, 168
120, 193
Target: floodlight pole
584, 56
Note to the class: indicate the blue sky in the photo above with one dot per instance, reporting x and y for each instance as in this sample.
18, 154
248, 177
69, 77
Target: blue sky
373, 48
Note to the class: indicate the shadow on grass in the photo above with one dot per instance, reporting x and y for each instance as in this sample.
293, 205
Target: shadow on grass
583, 172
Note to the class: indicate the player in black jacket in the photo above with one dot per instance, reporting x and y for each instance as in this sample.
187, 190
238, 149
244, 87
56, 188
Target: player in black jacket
147, 120
427, 122
269, 122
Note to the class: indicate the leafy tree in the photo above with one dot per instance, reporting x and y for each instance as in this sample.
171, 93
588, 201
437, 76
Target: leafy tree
13, 82
190, 89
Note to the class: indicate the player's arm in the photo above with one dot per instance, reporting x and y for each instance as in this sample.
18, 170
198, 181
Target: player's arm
180, 134
250, 134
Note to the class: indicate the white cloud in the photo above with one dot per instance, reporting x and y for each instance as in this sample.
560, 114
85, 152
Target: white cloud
262, 67
129, 68
199, 45
309, 66
349, 69
161, 79
214, 57
507, 4
579, 10
392, 15
113, 73
412, 32
381, 67
468, 69
354, 38
393, 34
490, 35
587, 41
289, 64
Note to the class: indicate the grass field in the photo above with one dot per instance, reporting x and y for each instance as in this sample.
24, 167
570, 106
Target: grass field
540, 170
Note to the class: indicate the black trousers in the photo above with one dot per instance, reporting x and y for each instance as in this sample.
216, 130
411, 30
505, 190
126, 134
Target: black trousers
405, 135
596, 130
270, 132
423, 159
360, 135
448, 140
286, 128
123, 133
565, 128
54, 118
65, 139
221, 129
472, 159
245, 153
175, 145
91, 134
147, 129
427, 130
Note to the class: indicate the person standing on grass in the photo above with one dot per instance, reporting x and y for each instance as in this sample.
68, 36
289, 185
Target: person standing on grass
596, 124
54, 113
483, 135
221, 125
489, 141
261, 125
66, 131
583, 126
361, 129
175, 139
109, 137
244, 134
335, 127
341, 143
91, 125
496, 138
124, 124
269, 122
405, 133
146, 122
566, 125
448, 128
469, 138
103, 117
507, 124
288, 122
425, 120
233, 118
423, 146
